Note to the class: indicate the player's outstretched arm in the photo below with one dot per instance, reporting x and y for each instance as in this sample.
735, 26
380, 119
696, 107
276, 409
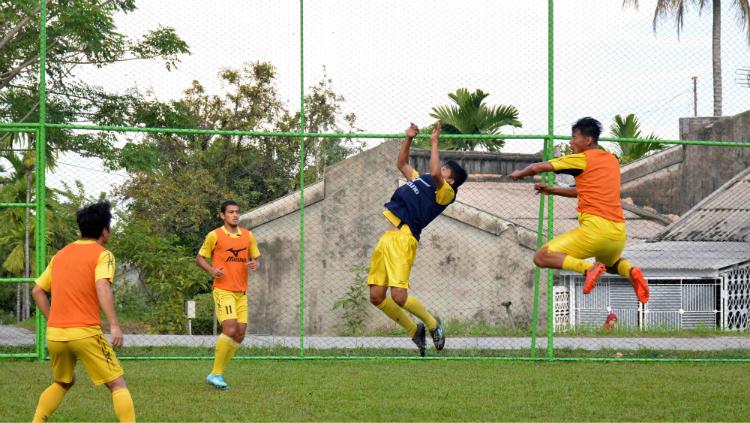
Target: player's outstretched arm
532, 170
554, 190
402, 162
437, 175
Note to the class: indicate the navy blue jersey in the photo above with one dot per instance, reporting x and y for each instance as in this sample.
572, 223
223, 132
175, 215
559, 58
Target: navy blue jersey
415, 203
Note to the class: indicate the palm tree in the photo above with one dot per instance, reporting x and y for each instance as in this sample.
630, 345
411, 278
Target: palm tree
678, 8
18, 257
469, 115
630, 127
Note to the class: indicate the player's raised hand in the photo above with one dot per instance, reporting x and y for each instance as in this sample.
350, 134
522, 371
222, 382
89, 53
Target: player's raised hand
516, 175
436, 130
412, 131
543, 188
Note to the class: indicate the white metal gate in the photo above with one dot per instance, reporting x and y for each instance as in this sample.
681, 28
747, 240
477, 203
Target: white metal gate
673, 304
735, 299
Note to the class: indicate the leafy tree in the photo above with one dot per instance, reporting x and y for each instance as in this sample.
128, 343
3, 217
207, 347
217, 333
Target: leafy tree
79, 32
470, 115
678, 8
178, 181
630, 127
16, 244
166, 270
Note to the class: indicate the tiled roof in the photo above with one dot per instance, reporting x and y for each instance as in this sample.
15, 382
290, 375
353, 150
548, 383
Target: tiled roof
518, 203
723, 216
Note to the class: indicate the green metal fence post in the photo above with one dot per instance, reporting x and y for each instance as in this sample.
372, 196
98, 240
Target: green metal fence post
301, 181
537, 278
40, 244
549, 145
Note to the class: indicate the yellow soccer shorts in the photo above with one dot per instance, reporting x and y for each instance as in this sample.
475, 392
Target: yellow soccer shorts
96, 354
594, 237
230, 305
392, 259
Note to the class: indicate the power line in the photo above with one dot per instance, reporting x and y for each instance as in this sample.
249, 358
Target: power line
94, 170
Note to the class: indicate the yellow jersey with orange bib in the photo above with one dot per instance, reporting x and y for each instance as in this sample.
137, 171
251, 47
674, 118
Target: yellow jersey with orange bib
601, 231
231, 252
74, 327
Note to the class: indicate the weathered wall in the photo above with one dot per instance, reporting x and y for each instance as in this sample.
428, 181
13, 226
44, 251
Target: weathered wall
706, 169
655, 180
461, 272
677, 179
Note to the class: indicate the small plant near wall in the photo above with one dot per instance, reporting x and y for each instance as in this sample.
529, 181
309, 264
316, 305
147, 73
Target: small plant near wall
354, 303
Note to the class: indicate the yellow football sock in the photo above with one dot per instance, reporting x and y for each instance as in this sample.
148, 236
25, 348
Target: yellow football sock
48, 402
415, 307
623, 268
123, 402
398, 315
233, 345
225, 349
576, 265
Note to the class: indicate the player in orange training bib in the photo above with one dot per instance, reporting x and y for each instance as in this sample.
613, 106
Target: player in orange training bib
80, 277
232, 250
601, 231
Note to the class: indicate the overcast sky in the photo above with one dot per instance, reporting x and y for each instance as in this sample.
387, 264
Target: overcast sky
395, 60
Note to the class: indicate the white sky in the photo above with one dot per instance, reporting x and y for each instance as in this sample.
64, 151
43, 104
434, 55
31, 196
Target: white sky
395, 60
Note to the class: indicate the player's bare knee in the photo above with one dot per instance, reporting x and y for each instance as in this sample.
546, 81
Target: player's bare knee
399, 296
377, 296
229, 330
117, 384
239, 337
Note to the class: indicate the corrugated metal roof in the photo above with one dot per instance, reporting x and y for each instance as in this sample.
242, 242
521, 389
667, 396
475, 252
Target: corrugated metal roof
683, 259
722, 216
680, 259
518, 203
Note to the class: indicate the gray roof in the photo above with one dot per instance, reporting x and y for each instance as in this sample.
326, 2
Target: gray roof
518, 203
686, 259
722, 216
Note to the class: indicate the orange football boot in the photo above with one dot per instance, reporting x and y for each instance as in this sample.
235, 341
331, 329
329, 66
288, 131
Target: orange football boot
592, 275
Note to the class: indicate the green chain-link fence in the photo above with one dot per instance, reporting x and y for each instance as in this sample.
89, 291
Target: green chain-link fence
169, 109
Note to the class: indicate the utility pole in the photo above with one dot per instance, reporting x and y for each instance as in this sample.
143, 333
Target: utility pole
695, 96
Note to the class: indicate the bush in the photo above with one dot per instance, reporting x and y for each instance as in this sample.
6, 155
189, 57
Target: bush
354, 303
203, 324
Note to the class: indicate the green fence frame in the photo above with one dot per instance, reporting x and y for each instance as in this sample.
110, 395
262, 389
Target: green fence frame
39, 203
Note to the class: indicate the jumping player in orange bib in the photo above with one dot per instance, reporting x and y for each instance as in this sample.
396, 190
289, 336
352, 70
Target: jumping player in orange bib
601, 233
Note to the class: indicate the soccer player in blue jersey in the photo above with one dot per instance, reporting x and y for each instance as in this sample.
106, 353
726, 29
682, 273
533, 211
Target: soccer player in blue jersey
412, 207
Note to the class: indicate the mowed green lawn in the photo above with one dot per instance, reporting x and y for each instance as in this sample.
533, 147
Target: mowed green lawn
410, 390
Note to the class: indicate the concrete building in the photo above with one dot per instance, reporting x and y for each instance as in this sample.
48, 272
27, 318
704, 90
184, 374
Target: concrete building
676, 179
471, 260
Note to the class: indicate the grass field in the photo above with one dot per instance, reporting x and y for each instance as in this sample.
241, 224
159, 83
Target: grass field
411, 390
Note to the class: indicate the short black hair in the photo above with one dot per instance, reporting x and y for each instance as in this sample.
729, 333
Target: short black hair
458, 173
94, 219
589, 127
228, 203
